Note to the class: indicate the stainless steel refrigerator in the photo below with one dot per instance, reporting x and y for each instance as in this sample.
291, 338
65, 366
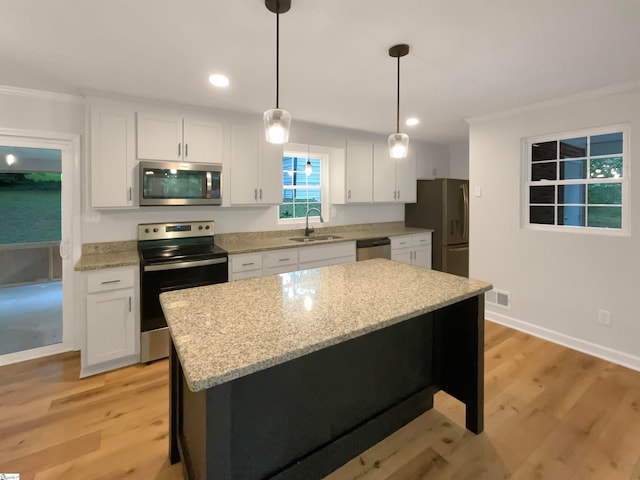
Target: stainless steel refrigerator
443, 205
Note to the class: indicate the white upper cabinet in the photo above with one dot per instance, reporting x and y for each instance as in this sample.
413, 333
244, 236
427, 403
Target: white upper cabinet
178, 139
351, 176
255, 167
112, 157
394, 179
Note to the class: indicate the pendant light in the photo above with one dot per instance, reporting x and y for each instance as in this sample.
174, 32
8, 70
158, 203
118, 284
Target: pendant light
398, 142
277, 122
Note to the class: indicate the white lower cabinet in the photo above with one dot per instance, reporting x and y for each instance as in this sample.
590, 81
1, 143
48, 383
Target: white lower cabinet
414, 249
112, 327
251, 265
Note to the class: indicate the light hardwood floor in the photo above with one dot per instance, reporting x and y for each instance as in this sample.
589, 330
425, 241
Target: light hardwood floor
550, 413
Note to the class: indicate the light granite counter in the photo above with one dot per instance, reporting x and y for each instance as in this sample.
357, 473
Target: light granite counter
247, 242
108, 255
226, 331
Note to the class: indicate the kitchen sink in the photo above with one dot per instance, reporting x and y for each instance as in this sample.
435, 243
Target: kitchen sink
315, 238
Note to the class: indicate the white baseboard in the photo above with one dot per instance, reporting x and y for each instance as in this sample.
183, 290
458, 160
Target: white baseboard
609, 354
88, 370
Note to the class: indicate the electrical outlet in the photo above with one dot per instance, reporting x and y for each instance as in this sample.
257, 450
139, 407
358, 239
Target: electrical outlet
604, 318
434, 172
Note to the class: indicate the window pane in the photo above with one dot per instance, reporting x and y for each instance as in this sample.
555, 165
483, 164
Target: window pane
608, 144
314, 195
605, 194
605, 217
544, 194
287, 163
541, 215
543, 171
287, 178
573, 148
315, 205
571, 194
610, 167
286, 211
571, 216
573, 170
544, 151
301, 210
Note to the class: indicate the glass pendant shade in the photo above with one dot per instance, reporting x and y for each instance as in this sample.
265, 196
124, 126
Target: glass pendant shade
398, 145
277, 124
308, 169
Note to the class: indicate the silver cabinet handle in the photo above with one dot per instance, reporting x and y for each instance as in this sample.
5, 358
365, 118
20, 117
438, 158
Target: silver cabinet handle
394, 194
129, 193
284, 259
179, 148
255, 194
110, 281
129, 303
186, 150
349, 194
260, 194
398, 194
247, 264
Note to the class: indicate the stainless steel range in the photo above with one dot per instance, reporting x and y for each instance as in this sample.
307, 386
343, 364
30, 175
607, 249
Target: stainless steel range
173, 256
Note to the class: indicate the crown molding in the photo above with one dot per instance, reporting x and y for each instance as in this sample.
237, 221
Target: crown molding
27, 92
616, 89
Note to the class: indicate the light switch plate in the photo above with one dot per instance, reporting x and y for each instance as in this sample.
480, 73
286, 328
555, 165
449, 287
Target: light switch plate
477, 191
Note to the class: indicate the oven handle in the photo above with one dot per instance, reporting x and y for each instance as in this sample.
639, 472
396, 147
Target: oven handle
177, 265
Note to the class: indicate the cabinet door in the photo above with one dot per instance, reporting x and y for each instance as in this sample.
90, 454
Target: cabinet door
384, 174
203, 141
111, 328
422, 257
359, 157
159, 137
403, 255
270, 186
112, 158
244, 165
406, 178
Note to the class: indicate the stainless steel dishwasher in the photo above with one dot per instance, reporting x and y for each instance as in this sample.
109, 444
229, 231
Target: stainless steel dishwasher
373, 248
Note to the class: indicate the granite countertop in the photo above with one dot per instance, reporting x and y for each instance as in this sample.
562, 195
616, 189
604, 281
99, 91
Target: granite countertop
120, 254
229, 330
248, 242
108, 255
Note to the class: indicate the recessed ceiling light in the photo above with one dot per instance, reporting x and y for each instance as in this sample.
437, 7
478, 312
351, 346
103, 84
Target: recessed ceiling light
412, 121
218, 80
11, 159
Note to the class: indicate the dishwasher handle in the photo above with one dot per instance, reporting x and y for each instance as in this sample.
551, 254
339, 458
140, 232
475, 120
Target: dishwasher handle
372, 242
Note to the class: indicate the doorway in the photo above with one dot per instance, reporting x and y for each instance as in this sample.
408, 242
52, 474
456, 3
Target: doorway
36, 187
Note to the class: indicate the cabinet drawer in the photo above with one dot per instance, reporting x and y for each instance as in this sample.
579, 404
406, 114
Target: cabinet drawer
324, 252
245, 262
110, 279
279, 258
402, 241
421, 239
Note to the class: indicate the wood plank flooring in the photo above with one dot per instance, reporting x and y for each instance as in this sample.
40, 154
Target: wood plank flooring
550, 413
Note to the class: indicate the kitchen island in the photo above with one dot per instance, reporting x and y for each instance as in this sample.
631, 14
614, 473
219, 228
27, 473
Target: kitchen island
290, 376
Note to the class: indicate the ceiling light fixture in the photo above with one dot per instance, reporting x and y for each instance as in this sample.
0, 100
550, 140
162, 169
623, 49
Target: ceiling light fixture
218, 80
398, 142
308, 169
11, 159
412, 121
277, 122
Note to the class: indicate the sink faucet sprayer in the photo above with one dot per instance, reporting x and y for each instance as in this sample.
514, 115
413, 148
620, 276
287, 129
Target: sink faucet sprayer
308, 230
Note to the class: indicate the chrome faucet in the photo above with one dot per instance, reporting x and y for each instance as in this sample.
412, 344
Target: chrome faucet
307, 230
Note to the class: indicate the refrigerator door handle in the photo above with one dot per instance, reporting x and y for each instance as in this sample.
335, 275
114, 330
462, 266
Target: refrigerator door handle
465, 219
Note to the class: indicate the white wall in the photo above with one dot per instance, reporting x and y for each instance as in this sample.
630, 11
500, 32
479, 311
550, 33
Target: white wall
433, 160
459, 160
557, 280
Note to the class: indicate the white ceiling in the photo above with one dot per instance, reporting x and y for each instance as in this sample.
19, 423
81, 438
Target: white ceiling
468, 57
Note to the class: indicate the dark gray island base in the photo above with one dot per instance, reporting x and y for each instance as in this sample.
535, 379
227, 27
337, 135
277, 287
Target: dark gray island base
305, 417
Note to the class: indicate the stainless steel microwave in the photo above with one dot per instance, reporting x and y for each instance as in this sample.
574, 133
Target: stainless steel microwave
180, 183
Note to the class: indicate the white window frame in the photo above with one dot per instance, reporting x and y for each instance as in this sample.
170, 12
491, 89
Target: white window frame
311, 151
625, 180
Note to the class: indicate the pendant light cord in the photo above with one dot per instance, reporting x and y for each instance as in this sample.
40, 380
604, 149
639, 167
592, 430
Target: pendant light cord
398, 103
277, 60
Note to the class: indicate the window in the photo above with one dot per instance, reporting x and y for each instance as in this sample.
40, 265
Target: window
578, 179
302, 188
